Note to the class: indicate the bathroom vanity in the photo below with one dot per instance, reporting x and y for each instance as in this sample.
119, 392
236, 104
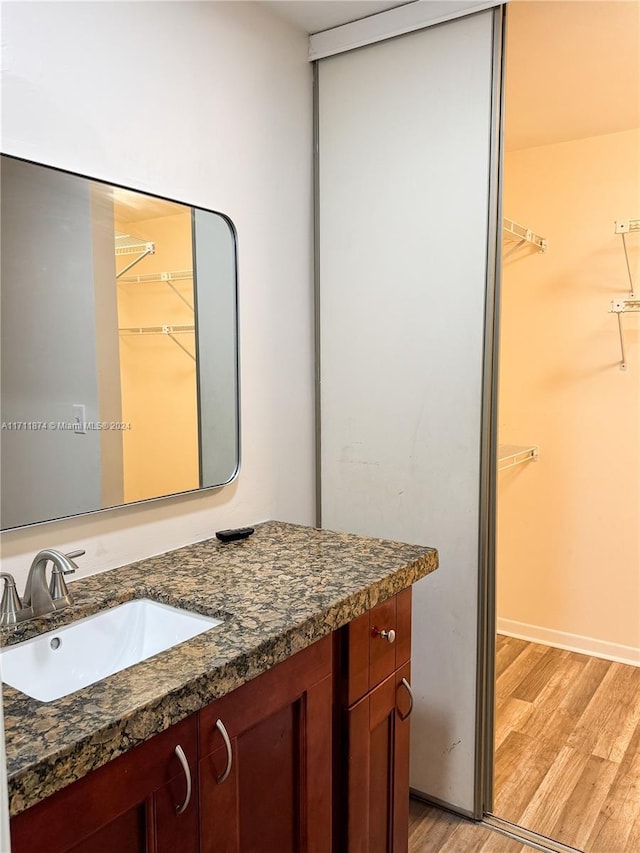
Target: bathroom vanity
285, 728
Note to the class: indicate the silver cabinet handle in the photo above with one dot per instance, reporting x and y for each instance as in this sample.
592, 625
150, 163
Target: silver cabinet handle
389, 636
407, 687
225, 737
182, 758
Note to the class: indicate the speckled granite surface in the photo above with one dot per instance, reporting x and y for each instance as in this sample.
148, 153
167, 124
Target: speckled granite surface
277, 592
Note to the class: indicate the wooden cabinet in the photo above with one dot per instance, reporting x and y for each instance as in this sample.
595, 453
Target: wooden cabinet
310, 757
373, 758
268, 788
130, 804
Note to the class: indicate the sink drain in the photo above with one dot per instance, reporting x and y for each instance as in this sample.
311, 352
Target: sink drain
55, 643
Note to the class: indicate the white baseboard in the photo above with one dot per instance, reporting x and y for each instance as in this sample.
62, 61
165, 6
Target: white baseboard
571, 642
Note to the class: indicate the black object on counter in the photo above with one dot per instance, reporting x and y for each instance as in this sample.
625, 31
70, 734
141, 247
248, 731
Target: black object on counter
236, 533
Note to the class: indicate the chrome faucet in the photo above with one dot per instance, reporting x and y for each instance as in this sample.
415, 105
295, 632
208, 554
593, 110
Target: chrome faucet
39, 599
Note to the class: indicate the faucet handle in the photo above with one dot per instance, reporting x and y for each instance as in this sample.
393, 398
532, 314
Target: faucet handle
10, 603
71, 556
58, 589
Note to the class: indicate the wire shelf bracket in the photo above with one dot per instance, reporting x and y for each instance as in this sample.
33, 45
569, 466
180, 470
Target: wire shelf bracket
510, 455
619, 307
631, 303
126, 244
624, 227
522, 236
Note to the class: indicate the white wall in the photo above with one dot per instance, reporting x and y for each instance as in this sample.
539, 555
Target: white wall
208, 103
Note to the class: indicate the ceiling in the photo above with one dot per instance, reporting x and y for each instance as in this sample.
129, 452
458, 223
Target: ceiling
572, 66
572, 70
313, 16
130, 206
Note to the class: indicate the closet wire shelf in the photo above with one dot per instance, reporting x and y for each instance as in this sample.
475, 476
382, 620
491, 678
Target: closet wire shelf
522, 236
169, 331
510, 455
126, 244
167, 278
177, 275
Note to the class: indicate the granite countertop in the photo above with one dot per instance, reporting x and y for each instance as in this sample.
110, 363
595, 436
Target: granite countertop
277, 592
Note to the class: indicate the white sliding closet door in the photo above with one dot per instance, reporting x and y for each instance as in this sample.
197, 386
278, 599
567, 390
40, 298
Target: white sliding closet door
404, 159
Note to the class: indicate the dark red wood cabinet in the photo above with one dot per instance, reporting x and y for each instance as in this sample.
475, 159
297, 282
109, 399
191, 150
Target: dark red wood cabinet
376, 703
310, 757
130, 804
269, 787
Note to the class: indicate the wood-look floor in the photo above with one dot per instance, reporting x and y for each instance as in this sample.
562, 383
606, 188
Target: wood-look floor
567, 760
432, 830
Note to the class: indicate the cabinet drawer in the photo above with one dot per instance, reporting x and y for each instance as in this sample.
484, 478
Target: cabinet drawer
372, 652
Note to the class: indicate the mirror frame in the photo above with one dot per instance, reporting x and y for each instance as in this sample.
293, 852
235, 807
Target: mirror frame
236, 358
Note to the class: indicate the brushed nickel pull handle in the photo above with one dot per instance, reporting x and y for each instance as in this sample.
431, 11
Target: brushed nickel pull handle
182, 758
225, 737
407, 687
384, 634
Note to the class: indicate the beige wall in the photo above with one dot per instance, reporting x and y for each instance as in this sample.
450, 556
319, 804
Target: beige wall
569, 524
159, 397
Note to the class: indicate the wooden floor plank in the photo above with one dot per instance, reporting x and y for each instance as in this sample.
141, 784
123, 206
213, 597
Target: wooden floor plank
615, 736
581, 809
620, 811
433, 830
596, 715
536, 679
512, 715
521, 765
507, 650
633, 840
556, 726
543, 810
567, 758
555, 704
509, 680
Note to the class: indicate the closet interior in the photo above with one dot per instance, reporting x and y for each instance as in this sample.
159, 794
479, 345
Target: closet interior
157, 345
567, 716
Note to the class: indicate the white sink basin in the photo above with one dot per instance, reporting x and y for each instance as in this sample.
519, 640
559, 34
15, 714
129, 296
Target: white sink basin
60, 662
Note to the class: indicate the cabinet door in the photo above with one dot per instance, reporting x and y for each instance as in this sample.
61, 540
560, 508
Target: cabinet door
276, 797
127, 805
378, 768
176, 813
127, 832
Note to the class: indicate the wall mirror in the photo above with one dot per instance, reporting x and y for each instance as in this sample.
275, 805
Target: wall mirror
119, 349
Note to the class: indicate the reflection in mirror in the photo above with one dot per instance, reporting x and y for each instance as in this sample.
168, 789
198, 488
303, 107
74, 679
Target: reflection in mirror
119, 346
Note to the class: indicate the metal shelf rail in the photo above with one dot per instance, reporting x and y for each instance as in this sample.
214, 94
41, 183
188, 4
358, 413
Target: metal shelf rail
510, 455
169, 331
165, 277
